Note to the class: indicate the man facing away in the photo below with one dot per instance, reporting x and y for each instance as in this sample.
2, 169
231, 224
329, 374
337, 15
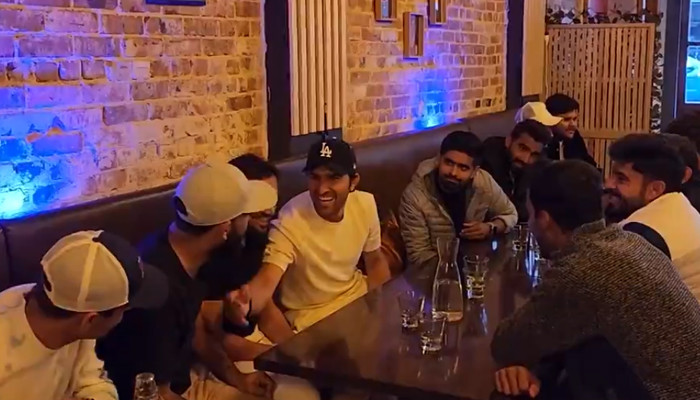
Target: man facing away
317, 241
507, 159
643, 192
605, 285
450, 196
567, 144
687, 125
48, 330
212, 204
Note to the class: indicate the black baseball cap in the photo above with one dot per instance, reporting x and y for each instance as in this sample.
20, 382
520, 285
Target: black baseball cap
335, 154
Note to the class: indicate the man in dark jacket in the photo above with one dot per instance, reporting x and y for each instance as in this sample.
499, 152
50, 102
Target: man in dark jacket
507, 159
691, 179
567, 143
687, 125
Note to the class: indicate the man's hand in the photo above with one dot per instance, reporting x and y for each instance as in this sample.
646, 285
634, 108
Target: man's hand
257, 384
516, 380
475, 230
237, 306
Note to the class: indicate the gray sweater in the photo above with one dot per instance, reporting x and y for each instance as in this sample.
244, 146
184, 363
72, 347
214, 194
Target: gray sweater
423, 218
613, 285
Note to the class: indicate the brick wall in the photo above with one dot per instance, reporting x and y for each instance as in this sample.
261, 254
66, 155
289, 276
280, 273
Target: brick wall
99, 97
462, 72
623, 5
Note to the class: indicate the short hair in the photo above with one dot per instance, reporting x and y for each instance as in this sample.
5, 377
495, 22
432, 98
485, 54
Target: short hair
254, 167
569, 191
463, 142
536, 130
559, 103
51, 310
685, 148
687, 125
652, 157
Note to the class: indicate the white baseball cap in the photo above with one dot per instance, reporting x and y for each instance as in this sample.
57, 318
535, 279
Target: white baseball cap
216, 192
93, 271
538, 111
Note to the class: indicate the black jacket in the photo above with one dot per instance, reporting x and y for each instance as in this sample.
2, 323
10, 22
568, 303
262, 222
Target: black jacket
574, 149
497, 162
691, 190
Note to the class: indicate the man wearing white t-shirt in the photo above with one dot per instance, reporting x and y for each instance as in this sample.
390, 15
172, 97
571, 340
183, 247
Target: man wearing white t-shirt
317, 241
48, 330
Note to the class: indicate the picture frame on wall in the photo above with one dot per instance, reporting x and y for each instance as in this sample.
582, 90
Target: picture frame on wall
437, 12
385, 10
413, 35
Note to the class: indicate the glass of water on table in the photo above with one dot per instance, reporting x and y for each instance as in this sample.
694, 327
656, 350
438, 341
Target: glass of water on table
475, 268
521, 236
432, 334
411, 304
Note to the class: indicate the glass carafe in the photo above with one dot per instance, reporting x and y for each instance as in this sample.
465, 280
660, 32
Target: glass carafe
448, 300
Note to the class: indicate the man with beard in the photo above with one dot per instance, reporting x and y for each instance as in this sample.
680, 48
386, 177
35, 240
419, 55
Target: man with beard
607, 290
644, 193
507, 159
212, 204
450, 196
567, 144
317, 241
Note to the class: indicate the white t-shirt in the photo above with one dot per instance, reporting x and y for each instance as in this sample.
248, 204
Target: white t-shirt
30, 371
320, 257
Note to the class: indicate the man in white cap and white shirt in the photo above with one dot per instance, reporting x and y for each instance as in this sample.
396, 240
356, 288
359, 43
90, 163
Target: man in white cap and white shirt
48, 330
212, 204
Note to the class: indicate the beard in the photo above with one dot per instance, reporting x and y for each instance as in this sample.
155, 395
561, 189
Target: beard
617, 208
451, 185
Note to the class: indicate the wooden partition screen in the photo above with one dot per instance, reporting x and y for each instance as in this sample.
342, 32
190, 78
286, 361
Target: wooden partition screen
608, 69
318, 56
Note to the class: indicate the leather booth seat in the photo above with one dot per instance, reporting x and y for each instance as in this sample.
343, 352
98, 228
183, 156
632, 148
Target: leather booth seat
385, 164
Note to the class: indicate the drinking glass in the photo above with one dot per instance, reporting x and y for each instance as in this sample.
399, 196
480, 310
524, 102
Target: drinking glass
145, 387
432, 333
520, 237
541, 265
411, 305
475, 268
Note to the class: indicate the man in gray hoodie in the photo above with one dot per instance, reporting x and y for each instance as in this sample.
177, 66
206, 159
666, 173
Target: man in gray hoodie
451, 196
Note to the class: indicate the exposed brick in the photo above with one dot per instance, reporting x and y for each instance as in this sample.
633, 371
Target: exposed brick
200, 66
118, 24
46, 71
48, 3
59, 143
133, 5
101, 4
183, 47
233, 67
118, 70
111, 180
17, 71
114, 115
201, 27
218, 47
104, 93
247, 9
182, 10
7, 47
21, 20
71, 21
51, 96
149, 90
171, 109
93, 69
182, 66
160, 68
96, 47
12, 149
69, 70
45, 46
11, 97
240, 102
143, 47
140, 70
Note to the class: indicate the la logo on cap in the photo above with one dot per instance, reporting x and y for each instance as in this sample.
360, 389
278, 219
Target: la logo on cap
325, 150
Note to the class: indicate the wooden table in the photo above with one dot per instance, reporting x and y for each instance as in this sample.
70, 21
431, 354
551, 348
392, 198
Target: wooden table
362, 345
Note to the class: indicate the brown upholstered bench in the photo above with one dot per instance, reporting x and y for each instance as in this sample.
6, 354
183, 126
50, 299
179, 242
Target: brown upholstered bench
385, 164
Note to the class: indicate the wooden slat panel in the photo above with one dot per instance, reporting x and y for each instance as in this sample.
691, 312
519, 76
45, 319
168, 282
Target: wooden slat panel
318, 64
608, 69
